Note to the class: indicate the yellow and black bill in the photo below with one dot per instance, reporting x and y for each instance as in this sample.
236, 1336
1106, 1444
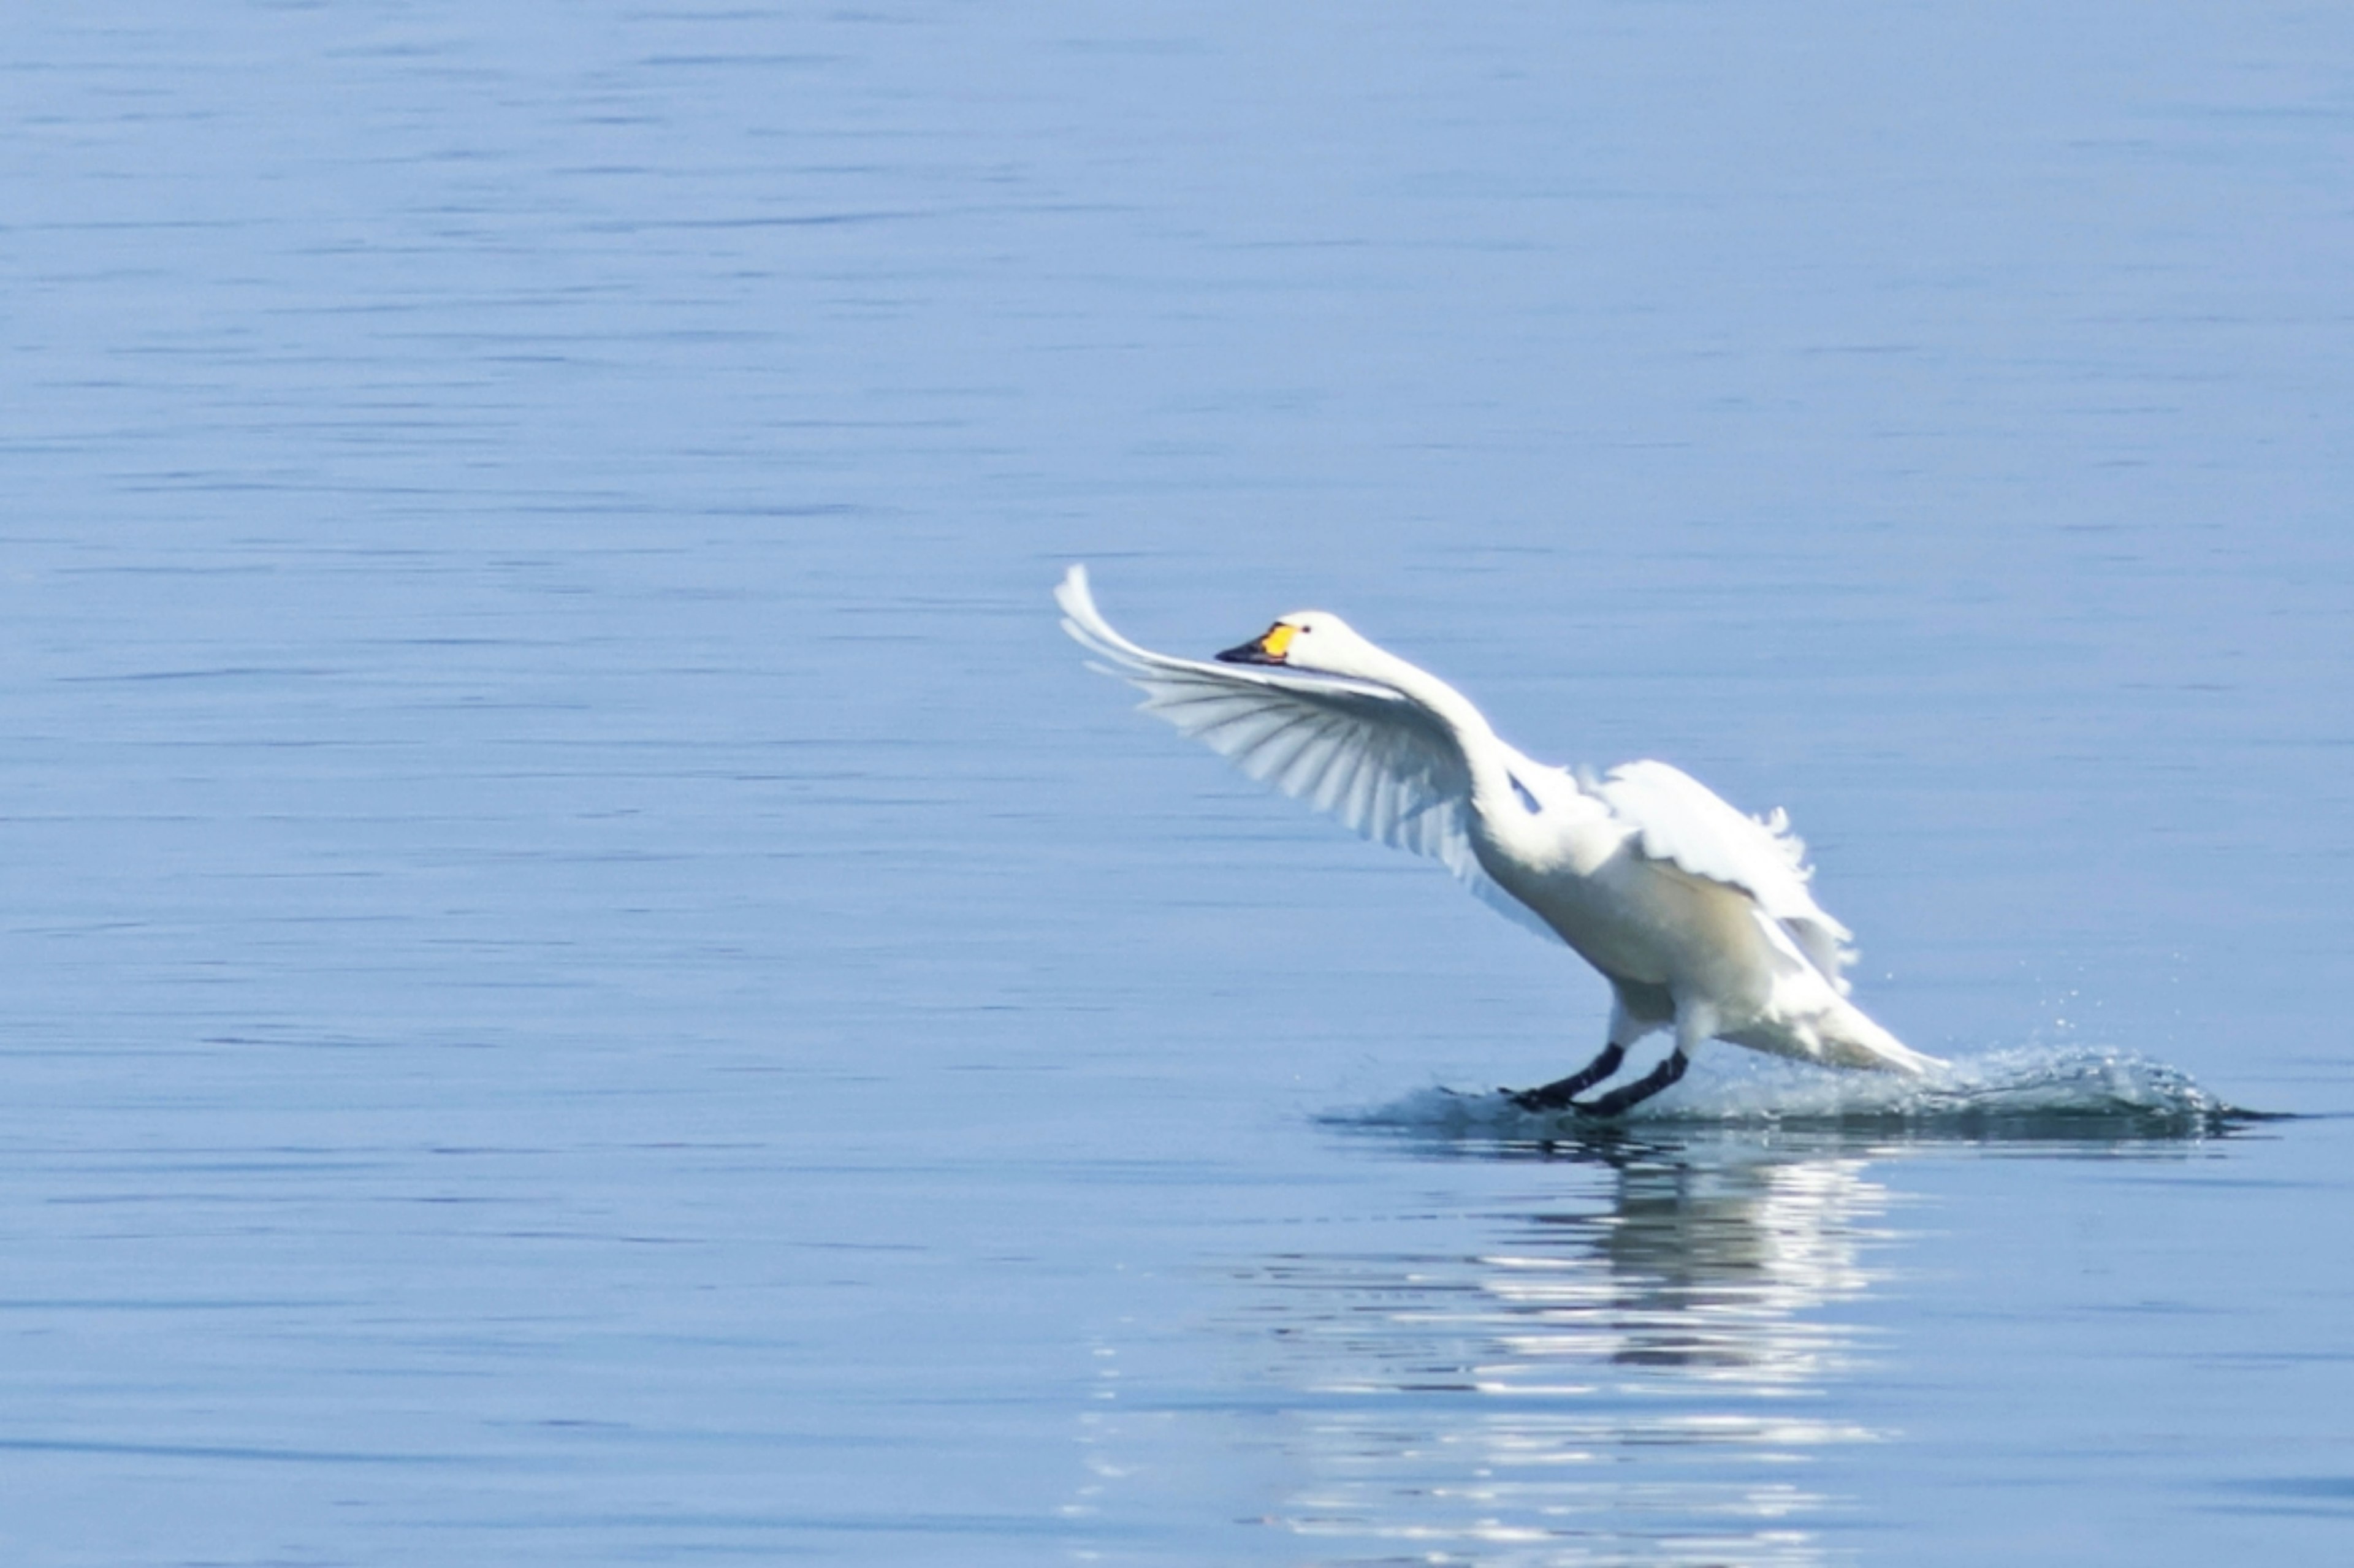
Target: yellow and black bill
1265, 649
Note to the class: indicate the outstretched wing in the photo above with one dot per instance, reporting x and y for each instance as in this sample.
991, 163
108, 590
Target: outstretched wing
1353, 749
1681, 821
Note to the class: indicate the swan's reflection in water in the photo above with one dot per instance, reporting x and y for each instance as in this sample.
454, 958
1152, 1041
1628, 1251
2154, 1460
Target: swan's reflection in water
1645, 1369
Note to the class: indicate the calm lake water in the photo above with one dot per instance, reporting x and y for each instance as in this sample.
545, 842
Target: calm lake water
591, 980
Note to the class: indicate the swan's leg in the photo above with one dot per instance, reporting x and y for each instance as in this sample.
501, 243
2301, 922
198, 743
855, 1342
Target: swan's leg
1557, 1094
1625, 1030
1618, 1101
1695, 1021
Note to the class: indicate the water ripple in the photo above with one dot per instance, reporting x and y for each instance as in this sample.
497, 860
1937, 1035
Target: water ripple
2029, 1094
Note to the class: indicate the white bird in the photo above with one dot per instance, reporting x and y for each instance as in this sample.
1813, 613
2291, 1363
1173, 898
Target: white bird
1699, 916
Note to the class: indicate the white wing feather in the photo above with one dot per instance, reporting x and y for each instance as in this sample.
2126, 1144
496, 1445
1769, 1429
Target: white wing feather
1681, 821
1353, 749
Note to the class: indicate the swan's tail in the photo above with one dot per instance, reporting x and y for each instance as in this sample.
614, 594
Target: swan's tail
1851, 1039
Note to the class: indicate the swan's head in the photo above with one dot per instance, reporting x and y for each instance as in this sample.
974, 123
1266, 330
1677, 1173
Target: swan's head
1311, 639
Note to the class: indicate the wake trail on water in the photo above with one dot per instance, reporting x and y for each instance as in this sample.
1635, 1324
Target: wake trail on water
2059, 1092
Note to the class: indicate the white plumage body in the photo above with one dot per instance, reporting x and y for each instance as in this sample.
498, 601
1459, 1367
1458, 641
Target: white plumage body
1700, 917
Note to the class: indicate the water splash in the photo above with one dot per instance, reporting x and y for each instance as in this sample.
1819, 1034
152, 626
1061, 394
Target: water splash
2072, 1092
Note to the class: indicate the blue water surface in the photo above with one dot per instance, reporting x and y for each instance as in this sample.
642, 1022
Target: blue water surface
590, 980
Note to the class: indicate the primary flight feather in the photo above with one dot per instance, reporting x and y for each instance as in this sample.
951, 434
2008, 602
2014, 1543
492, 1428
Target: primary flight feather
1699, 915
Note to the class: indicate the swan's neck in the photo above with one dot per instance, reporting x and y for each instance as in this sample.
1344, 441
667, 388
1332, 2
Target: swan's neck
1492, 782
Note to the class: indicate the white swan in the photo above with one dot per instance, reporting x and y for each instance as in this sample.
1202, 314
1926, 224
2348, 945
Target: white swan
1698, 916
